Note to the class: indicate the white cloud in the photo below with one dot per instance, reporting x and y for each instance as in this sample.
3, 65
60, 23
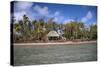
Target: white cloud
68, 20
87, 17
21, 8
84, 19
57, 13
41, 10
58, 19
55, 19
22, 5
18, 15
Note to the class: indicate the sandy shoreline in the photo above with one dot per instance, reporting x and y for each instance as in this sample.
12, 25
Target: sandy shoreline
56, 43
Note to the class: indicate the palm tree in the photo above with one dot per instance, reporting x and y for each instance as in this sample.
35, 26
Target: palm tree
93, 31
80, 30
16, 31
25, 27
70, 27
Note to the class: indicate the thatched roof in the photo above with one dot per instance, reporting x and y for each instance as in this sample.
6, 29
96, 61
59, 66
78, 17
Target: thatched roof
53, 34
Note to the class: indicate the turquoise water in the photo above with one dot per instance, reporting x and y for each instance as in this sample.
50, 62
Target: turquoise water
36, 55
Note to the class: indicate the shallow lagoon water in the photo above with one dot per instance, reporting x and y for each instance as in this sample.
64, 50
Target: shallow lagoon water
36, 55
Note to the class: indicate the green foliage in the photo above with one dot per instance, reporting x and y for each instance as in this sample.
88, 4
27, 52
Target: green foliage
72, 30
93, 31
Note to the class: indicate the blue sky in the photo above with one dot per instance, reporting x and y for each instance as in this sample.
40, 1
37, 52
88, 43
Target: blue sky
62, 13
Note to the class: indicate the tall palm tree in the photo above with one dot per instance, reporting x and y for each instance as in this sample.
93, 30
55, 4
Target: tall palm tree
93, 31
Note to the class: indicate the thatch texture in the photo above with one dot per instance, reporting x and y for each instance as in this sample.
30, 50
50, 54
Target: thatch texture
53, 34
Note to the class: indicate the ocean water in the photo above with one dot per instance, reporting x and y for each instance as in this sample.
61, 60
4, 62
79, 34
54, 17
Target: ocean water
36, 55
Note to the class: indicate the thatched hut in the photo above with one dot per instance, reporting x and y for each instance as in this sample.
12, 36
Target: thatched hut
53, 35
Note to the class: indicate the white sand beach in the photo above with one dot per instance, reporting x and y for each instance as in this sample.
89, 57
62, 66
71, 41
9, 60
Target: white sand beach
56, 43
